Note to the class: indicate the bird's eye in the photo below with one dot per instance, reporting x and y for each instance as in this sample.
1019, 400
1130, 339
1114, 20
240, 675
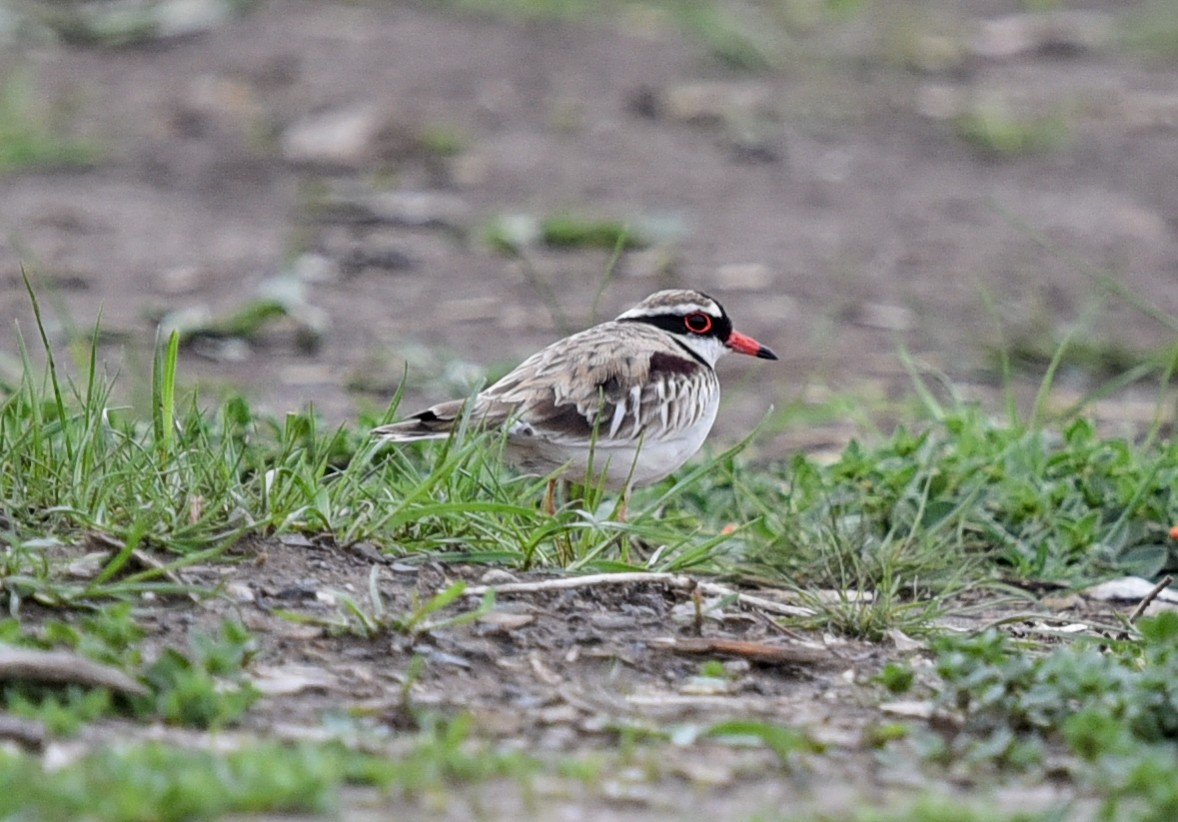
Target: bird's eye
698, 322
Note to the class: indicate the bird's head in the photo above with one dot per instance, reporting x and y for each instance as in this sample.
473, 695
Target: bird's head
698, 322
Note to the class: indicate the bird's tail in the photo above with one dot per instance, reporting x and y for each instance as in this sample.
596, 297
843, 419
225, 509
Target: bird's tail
431, 424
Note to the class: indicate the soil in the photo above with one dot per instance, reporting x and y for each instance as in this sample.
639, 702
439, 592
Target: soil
608, 671
827, 201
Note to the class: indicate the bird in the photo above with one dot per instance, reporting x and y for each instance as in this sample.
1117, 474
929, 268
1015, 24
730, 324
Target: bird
622, 404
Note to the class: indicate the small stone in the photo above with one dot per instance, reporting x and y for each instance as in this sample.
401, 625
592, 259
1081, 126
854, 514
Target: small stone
425, 209
308, 374
346, 137
514, 232
737, 667
1127, 589
505, 622
184, 18
712, 102
314, 268
88, 566
561, 714
1068, 31
239, 592
705, 686
496, 576
284, 680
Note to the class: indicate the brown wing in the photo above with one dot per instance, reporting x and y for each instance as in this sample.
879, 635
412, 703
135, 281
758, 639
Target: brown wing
619, 380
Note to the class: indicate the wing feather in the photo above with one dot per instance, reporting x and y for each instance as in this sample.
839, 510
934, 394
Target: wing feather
620, 381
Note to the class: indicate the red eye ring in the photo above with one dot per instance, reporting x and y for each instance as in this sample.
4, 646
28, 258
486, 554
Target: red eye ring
698, 322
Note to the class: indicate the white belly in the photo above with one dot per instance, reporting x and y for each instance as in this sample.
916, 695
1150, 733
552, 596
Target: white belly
614, 463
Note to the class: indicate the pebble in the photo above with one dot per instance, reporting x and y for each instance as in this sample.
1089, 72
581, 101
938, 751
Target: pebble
1064, 31
497, 576
117, 23
314, 268
711, 102
239, 591
341, 137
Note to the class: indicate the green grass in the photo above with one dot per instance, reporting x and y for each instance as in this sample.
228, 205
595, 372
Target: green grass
994, 130
30, 136
157, 781
200, 685
1152, 30
956, 499
1100, 360
1108, 706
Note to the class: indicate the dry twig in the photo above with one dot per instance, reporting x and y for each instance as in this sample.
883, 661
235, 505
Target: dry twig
1163, 583
680, 582
63, 667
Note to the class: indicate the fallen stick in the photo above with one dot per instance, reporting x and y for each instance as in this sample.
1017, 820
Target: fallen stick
63, 667
677, 581
1163, 583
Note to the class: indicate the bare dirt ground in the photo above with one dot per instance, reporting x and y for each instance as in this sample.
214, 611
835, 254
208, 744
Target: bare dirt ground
826, 202
609, 669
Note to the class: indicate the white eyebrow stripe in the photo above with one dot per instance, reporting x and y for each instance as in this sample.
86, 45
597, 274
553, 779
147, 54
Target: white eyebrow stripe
680, 308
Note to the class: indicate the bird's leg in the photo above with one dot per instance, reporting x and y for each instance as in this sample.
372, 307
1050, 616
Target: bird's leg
550, 499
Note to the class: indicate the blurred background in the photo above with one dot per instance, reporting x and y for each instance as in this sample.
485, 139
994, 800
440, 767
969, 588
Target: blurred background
324, 198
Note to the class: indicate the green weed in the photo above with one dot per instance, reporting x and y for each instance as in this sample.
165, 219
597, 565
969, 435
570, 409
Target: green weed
997, 684
1113, 708
192, 483
155, 781
965, 490
205, 687
996, 131
135, 781
29, 137
201, 686
784, 741
1152, 29
894, 528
